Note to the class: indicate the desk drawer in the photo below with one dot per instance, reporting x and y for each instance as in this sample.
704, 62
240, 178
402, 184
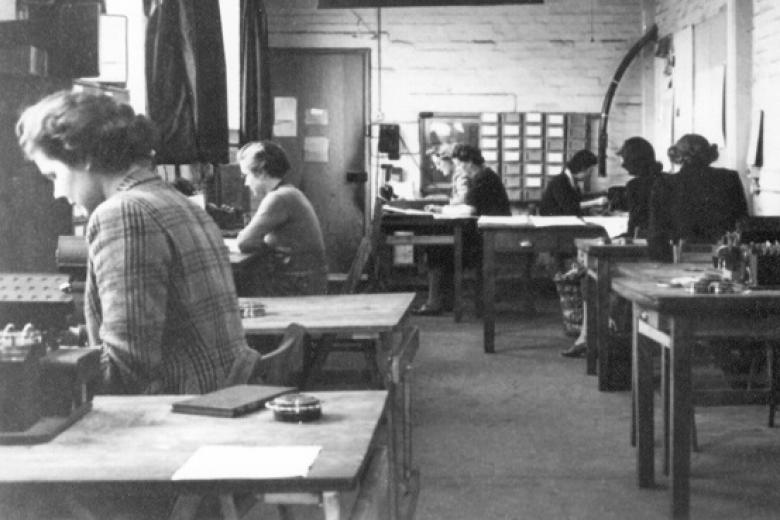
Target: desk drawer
510, 240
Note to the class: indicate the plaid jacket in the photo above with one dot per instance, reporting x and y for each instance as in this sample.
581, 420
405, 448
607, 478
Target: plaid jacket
160, 296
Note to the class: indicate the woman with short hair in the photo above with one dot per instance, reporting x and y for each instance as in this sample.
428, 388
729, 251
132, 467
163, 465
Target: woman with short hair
285, 226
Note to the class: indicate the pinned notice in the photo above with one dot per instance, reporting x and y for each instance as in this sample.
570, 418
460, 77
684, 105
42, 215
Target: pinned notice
315, 149
285, 117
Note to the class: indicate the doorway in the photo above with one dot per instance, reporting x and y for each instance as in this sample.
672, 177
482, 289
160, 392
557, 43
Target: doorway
321, 116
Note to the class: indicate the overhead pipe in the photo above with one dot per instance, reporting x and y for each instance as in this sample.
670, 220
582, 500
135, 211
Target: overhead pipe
649, 36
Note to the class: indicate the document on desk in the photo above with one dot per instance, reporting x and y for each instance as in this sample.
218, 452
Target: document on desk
514, 220
247, 462
232, 245
406, 211
615, 226
564, 220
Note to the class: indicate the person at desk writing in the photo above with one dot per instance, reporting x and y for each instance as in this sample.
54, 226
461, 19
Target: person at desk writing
159, 298
486, 195
699, 203
563, 196
285, 226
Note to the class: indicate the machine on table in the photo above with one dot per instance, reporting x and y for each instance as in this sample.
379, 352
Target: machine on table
43, 387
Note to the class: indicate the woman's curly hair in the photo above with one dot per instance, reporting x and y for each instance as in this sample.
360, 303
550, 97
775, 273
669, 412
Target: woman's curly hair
693, 149
89, 130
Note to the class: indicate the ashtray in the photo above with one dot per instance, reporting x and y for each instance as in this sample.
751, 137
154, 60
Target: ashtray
295, 408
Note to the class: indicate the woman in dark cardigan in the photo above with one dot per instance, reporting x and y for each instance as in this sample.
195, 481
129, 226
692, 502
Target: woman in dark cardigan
639, 161
699, 203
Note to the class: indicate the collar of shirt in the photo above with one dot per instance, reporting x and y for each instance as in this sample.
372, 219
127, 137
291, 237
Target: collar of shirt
137, 175
571, 178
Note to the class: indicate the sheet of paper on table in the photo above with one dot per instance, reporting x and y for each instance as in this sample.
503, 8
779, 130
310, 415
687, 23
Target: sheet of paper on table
405, 211
247, 462
556, 221
232, 245
514, 220
615, 226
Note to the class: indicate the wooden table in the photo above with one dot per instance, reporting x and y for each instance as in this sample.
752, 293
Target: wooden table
379, 315
674, 318
523, 234
432, 230
135, 444
600, 259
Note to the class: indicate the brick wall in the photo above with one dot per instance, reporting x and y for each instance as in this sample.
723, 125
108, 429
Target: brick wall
558, 56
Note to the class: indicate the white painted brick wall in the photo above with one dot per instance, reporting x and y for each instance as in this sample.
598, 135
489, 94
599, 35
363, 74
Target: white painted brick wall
766, 80
558, 56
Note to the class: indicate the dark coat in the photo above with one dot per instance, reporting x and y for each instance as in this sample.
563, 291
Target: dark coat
560, 198
638, 192
185, 81
698, 204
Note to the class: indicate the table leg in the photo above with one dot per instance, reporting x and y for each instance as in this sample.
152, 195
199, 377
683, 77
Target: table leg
680, 417
489, 290
457, 276
642, 371
590, 312
605, 368
330, 505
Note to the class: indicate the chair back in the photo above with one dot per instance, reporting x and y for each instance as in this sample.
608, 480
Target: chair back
282, 366
362, 256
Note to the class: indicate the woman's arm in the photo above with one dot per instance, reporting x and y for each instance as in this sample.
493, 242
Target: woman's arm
271, 214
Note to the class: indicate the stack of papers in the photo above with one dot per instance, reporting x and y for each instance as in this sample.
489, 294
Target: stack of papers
556, 221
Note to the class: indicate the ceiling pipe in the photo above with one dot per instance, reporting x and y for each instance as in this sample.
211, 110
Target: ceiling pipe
649, 36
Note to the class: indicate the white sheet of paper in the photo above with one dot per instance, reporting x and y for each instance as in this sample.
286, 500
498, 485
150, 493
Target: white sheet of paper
315, 149
285, 117
614, 225
515, 220
232, 245
556, 221
247, 462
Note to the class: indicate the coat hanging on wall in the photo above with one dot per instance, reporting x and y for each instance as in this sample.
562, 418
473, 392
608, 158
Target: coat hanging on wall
257, 116
185, 79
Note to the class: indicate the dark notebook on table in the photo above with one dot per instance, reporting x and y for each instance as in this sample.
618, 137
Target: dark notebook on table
231, 401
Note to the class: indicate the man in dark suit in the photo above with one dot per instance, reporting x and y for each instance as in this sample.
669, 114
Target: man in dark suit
562, 196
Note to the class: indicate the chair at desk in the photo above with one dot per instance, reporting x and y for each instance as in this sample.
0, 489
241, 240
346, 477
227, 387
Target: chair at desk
282, 366
328, 344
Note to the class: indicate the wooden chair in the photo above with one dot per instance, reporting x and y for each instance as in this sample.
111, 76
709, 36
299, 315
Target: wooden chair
330, 343
282, 366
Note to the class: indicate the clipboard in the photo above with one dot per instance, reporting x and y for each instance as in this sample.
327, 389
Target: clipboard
232, 401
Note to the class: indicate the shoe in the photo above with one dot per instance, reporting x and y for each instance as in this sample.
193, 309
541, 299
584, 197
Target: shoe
425, 310
575, 351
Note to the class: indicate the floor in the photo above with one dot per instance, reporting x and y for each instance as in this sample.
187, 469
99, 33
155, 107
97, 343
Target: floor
525, 434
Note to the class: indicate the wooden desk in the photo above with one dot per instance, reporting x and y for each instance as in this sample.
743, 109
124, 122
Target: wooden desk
522, 234
381, 315
675, 319
600, 259
135, 444
432, 230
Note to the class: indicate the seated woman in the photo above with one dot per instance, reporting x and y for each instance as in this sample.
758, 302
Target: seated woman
486, 195
639, 161
285, 226
563, 196
699, 203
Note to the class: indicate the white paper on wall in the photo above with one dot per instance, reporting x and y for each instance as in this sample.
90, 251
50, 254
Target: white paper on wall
285, 117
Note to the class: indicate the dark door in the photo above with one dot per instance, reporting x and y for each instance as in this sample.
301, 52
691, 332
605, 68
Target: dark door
320, 105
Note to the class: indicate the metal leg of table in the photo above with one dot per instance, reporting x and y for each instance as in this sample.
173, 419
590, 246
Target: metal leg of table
489, 292
590, 310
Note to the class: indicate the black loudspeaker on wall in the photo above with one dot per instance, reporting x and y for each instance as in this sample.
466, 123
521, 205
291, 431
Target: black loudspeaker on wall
389, 141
